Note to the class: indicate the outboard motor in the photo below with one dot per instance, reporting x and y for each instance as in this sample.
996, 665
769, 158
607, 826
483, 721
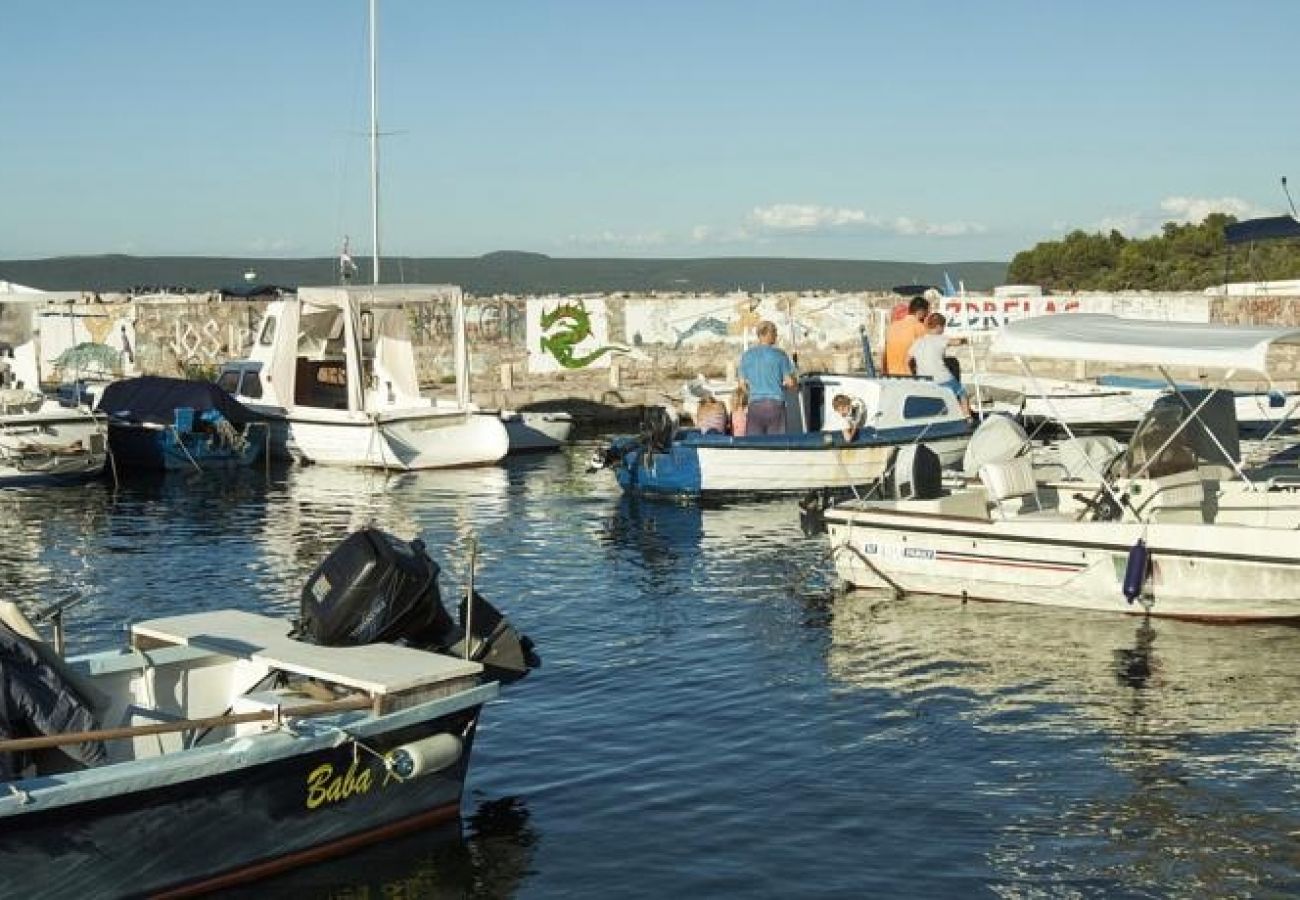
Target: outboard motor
658, 428
375, 587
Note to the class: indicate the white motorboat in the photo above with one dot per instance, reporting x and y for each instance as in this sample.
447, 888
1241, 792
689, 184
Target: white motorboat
1151, 538
333, 372
42, 441
537, 430
1114, 403
897, 412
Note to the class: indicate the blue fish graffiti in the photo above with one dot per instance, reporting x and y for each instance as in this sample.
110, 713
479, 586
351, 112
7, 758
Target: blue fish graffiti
703, 325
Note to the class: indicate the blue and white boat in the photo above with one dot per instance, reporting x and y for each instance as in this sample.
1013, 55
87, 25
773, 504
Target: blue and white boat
898, 412
170, 423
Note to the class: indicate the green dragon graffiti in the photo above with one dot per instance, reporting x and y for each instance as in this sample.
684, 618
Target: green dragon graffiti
576, 328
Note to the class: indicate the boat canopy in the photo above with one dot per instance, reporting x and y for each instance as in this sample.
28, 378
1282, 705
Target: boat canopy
370, 295
1273, 228
1144, 342
152, 398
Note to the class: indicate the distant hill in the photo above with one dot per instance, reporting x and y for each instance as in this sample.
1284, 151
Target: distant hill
501, 272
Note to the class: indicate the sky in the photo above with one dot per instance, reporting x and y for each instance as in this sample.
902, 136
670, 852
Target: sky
927, 130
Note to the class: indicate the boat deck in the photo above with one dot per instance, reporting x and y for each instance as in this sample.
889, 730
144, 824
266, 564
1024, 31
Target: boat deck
375, 668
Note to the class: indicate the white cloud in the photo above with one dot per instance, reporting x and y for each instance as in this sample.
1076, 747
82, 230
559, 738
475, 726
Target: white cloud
1195, 209
615, 239
909, 227
1184, 210
804, 217
807, 218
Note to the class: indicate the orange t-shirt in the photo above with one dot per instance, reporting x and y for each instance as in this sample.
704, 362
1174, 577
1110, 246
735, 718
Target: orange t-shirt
898, 340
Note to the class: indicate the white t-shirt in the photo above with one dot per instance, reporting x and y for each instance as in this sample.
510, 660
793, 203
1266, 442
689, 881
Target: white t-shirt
929, 351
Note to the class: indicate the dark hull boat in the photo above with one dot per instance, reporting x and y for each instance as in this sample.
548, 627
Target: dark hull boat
226, 748
170, 423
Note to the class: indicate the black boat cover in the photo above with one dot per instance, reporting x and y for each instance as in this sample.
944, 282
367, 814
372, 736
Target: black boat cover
36, 700
152, 398
1271, 229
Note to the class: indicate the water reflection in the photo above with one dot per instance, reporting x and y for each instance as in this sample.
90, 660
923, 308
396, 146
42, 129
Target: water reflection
488, 855
1120, 673
1115, 749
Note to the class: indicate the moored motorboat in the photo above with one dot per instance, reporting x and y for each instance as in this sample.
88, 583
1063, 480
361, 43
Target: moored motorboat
1150, 534
223, 746
171, 423
43, 441
333, 374
897, 412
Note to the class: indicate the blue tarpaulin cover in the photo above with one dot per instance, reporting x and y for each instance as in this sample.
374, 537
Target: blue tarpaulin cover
1271, 229
154, 398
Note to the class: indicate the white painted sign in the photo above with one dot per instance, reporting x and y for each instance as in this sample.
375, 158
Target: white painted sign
567, 334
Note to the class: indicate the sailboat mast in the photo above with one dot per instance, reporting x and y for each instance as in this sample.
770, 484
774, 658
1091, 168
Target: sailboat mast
374, 136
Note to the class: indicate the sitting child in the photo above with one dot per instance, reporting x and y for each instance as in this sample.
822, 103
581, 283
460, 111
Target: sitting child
739, 410
847, 416
711, 416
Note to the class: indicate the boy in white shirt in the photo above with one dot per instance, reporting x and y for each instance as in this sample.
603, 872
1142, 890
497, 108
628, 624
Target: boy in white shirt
927, 354
847, 416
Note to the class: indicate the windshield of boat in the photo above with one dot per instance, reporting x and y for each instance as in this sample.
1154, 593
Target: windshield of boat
1161, 445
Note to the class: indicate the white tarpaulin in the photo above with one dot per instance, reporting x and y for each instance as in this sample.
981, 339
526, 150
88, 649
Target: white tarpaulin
1142, 342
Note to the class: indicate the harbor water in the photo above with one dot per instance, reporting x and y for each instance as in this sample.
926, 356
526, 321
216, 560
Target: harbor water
714, 719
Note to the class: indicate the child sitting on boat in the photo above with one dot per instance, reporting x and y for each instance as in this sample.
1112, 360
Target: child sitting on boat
847, 416
711, 416
928, 358
739, 410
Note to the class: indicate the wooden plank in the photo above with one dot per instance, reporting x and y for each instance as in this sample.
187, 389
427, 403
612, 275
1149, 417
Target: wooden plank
14, 745
375, 668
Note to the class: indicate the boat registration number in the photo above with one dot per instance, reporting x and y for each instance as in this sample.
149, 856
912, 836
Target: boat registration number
897, 551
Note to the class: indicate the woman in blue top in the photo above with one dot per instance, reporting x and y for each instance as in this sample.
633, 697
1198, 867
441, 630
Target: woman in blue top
766, 372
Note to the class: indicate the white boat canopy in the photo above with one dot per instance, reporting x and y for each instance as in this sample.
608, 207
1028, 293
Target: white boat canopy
1101, 338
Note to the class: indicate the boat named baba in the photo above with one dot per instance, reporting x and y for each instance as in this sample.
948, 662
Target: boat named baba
224, 746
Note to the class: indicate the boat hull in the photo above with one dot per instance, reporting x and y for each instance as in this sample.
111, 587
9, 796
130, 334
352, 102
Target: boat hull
54, 445
137, 447
1219, 572
226, 824
423, 439
765, 466
533, 432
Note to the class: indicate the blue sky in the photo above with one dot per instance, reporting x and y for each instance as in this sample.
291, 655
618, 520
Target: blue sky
929, 131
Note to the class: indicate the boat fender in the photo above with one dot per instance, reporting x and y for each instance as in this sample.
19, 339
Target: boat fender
1137, 571
431, 754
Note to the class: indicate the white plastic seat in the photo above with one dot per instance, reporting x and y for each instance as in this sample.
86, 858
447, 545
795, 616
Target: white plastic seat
1012, 479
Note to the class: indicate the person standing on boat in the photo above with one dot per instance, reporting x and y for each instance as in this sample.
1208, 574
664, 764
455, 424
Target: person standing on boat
766, 372
929, 356
901, 334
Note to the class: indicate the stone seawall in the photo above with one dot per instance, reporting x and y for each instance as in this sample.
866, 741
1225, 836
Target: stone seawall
650, 359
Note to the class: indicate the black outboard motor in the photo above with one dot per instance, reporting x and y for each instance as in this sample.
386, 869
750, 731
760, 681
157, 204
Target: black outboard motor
657, 429
375, 587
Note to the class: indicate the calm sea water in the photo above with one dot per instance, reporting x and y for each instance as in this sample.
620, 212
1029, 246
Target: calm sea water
714, 719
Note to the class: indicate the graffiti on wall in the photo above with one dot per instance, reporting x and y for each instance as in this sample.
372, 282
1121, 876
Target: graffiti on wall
991, 313
489, 321
681, 323
567, 333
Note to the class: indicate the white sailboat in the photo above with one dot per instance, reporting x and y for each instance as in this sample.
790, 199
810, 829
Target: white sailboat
333, 370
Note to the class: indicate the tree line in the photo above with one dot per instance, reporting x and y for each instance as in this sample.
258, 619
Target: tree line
1182, 257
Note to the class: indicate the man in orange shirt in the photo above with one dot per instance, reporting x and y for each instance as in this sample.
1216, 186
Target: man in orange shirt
901, 334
